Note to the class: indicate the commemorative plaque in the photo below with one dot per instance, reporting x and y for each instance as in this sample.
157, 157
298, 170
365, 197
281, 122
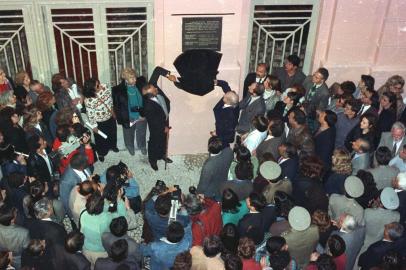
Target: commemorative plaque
202, 33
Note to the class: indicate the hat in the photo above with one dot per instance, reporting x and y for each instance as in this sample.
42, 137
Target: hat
270, 170
299, 218
354, 186
389, 198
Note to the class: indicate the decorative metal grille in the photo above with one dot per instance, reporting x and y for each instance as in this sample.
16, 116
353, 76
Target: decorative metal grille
75, 42
127, 40
278, 31
14, 55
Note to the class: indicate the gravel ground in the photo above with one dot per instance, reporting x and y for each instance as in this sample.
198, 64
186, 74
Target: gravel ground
184, 171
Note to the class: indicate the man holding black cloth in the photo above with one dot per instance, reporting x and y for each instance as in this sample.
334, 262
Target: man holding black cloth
156, 111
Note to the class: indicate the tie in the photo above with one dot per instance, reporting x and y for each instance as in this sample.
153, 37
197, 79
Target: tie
311, 93
394, 149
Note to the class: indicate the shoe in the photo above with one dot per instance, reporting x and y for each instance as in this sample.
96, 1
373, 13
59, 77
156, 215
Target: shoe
115, 149
154, 166
101, 158
144, 151
167, 160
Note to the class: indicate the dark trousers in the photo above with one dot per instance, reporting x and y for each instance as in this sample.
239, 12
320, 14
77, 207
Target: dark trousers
108, 127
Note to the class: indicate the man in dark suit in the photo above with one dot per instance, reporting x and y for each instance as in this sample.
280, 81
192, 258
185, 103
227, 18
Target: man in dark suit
156, 111
118, 230
69, 256
118, 256
43, 227
251, 106
259, 76
289, 161
226, 114
215, 169
289, 74
368, 98
76, 172
258, 221
317, 95
373, 255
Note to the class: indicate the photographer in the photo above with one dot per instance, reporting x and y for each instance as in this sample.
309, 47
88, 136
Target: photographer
163, 251
157, 207
121, 174
205, 214
64, 135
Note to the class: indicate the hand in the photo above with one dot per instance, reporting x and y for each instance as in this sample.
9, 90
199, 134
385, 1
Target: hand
314, 256
28, 101
130, 174
127, 203
200, 197
172, 78
95, 130
166, 130
21, 160
213, 133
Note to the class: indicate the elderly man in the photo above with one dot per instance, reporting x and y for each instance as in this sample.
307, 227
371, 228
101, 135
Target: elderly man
43, 227
373, 256
226, 114
360, 160
353, 236
259, 76
395, 139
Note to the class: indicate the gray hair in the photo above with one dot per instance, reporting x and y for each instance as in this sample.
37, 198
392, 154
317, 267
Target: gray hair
398, 125
232, 98
42, 208
349, 223
5, 97
401, 178
394, 230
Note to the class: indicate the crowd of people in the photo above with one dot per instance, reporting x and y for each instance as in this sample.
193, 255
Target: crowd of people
299, 175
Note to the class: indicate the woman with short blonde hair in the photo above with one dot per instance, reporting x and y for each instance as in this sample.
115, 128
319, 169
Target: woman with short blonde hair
128, 108
341, 169
127, 73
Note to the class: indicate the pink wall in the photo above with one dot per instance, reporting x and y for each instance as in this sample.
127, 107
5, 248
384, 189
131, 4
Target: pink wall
353, 38
361, 37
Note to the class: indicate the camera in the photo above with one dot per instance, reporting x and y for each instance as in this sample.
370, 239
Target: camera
159, 187
96, 178
175, 203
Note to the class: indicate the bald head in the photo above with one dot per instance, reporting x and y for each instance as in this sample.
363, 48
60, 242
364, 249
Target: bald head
231, 98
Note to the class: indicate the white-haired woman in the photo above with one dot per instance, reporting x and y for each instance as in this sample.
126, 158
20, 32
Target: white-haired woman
128, 106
